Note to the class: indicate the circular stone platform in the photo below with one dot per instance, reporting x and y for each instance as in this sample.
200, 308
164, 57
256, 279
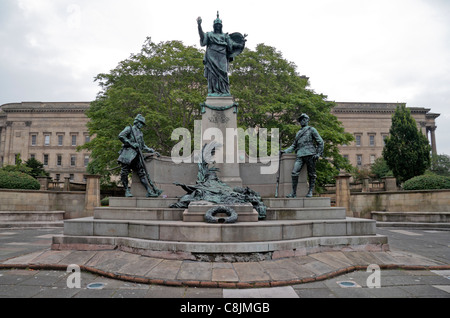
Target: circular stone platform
293, 227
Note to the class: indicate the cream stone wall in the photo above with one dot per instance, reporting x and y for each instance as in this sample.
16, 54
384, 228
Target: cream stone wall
23, 130
364, 120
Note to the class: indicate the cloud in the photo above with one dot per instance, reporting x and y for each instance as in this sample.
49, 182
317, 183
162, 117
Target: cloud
352, 50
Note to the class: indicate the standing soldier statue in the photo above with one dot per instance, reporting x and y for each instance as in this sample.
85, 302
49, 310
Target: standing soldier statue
131, 157
308, 145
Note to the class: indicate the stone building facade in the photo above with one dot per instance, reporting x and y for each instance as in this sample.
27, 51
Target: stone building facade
49, 132
370, 123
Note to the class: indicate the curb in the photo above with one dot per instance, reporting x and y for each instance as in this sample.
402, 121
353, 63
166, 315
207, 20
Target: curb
219, 284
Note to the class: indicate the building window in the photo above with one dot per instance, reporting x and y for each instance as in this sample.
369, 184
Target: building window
359, 160
87, 138
32, 156
74, 140
59, 160
86, 160
71, 177
47, 140
372, 159
45, 160
73, 160
372, 140
33, 140
358, 140
60, 140
57, 177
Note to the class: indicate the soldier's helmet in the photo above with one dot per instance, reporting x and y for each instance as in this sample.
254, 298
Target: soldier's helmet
140, 118
303, 116
218, 20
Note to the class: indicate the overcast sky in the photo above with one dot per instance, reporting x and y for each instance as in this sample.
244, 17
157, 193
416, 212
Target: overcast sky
352, 50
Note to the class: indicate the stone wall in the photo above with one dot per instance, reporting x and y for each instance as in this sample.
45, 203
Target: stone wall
164, 172
362, 204
73, 203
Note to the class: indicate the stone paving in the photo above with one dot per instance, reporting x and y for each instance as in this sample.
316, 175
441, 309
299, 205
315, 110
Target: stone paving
30, 269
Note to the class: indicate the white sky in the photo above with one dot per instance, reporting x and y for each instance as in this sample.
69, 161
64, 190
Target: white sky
352, 50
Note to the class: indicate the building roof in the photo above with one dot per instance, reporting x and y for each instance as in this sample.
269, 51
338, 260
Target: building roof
45, 107
358, 107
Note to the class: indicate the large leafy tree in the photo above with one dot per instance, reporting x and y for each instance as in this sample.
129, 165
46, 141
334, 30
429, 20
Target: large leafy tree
272, 94
165, 83
407, 150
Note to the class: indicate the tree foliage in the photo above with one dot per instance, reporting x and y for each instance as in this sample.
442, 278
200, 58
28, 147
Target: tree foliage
407, 150
165, 83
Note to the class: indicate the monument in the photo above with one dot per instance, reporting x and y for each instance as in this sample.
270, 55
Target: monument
218, 208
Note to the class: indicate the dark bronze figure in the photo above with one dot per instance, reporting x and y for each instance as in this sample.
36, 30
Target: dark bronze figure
308, 145
221, 48
132, 159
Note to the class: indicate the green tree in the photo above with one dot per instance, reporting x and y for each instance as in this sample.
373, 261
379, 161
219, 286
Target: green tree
440, 165
380, 169
37, 168
407, 150
272, 94
165, 83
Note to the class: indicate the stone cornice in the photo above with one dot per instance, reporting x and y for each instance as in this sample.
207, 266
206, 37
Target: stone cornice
39, 107
386, 108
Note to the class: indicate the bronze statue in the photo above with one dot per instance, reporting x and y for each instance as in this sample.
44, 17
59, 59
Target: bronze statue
308, 145
209, 187
132, 159
221, 49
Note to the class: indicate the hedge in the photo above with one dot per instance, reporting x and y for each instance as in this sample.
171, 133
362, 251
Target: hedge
18, 180
427, 182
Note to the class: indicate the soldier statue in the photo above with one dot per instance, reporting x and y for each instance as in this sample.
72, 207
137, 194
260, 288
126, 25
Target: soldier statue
308, 145
131, 157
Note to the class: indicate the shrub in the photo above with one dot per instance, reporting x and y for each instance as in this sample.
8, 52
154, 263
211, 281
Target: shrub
18, 180
427, 182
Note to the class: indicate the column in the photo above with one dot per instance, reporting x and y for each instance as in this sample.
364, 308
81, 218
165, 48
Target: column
92, 198
343, 192
433, 140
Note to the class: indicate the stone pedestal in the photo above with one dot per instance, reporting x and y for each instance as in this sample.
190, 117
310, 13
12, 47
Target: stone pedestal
343, 192
197, 210
92, 199
219, 122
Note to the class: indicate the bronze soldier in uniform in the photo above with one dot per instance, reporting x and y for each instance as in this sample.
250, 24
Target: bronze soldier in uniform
308, 145
133, 142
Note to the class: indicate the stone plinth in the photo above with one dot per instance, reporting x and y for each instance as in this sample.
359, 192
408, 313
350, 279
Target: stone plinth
219, 122
197, 210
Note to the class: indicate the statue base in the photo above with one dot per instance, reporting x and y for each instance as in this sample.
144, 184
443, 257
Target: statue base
197, 210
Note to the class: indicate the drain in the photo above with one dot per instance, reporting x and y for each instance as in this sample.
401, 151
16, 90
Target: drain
96, 286
348, 284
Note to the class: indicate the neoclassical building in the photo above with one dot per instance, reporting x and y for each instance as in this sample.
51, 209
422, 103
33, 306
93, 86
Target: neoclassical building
49, 132
370, 124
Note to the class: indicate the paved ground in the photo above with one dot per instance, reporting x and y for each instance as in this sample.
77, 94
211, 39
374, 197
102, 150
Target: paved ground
418, 266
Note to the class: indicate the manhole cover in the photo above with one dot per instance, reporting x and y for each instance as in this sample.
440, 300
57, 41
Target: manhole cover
96, 286
348, 284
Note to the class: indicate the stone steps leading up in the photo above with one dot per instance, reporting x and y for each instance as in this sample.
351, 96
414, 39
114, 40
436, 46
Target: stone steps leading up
178, 231
29, 216
413, 217
28, 219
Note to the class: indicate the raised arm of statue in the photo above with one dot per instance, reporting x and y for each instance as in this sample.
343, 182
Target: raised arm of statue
200, 30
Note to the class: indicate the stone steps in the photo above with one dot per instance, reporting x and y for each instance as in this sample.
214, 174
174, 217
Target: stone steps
31, 216
412, 217
178, 231
10, 219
